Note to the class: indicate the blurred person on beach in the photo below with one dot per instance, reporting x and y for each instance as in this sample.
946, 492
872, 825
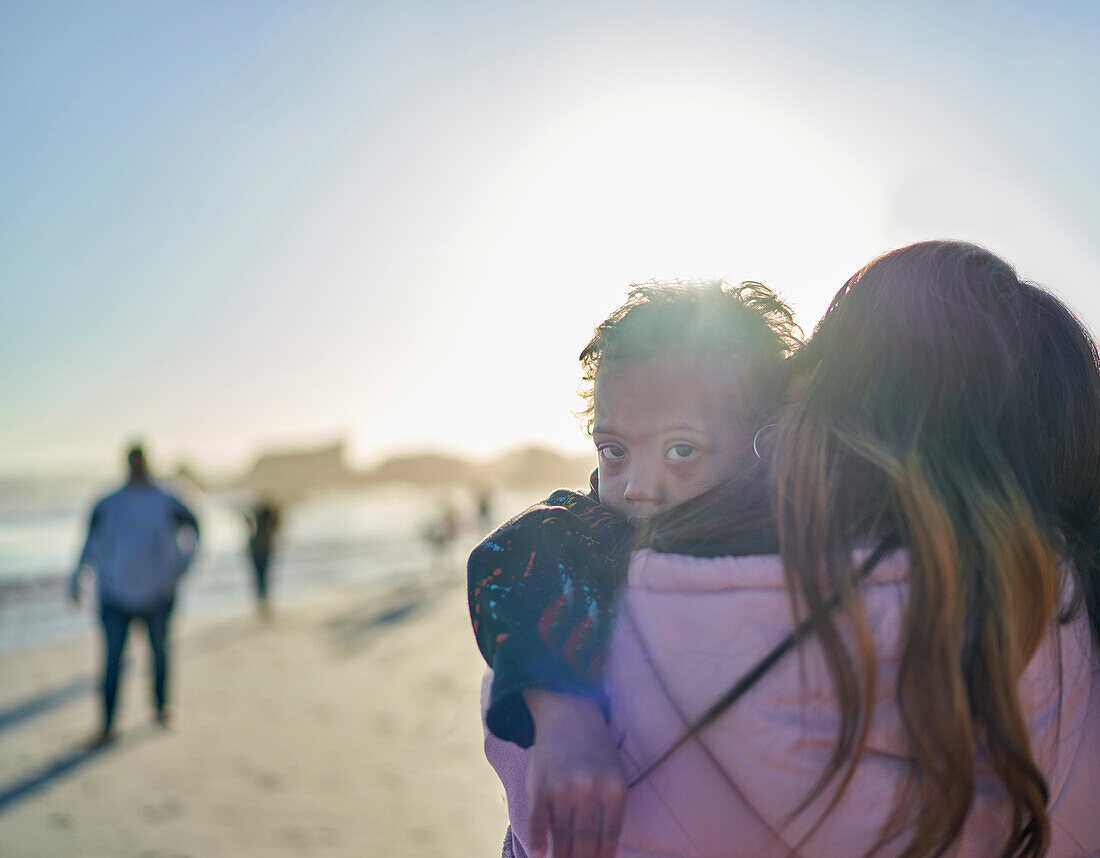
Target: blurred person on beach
141, 540
678, 378
931, 499
484, 510
263, 524
441, 534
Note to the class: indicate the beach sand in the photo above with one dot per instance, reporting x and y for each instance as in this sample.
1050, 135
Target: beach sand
347, 726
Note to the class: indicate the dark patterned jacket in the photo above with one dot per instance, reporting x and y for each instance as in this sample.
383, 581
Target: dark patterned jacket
542, 593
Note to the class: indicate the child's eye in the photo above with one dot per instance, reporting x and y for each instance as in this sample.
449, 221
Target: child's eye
612, 452
682, 452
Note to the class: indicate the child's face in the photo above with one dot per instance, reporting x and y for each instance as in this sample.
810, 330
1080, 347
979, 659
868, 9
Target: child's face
666, 430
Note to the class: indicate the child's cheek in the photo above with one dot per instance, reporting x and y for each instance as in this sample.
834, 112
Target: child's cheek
610, 488
610, 469
695, 477
690, 471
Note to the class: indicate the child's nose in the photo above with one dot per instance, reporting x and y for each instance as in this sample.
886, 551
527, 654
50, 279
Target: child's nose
643, 486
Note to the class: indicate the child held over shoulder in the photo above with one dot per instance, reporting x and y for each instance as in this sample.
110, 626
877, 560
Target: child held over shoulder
677, 383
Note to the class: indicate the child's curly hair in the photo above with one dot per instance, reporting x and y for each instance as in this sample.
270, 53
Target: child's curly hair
746, 322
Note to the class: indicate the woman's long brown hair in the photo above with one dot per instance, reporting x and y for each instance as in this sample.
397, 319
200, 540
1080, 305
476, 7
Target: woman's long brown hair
958, 410
955, 410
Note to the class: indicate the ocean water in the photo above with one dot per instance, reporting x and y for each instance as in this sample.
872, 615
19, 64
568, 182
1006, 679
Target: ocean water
333, 539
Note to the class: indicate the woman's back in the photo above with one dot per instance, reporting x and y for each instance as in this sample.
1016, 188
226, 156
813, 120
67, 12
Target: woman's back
690, 627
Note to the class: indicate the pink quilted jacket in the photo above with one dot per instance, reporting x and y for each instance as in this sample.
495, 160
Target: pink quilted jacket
690, 627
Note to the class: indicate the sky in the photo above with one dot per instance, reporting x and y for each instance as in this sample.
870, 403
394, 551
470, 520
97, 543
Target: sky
227, 227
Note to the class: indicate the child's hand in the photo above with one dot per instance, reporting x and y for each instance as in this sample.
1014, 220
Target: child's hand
576, 783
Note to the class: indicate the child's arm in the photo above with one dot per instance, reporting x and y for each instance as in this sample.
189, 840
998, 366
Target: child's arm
575, 781
541, 589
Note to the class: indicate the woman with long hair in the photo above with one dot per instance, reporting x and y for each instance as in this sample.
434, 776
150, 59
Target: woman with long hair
956, 411
914, 672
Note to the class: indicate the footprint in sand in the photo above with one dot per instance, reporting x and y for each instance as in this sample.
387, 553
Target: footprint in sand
269, 781
264, 779
60, 820
422, 835
166, 810
303, 839
293, 836
384, 723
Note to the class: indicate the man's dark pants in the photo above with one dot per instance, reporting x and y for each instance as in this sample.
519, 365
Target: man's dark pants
116, 625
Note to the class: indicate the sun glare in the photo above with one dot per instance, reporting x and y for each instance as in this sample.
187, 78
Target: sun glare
682, 190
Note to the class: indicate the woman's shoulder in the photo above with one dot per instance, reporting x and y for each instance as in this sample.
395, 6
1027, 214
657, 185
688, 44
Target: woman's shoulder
670, 572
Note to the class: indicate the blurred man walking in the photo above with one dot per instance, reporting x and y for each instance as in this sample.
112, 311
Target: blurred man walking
135, 550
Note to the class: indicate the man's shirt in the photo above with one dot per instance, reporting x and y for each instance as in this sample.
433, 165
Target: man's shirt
134, 548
